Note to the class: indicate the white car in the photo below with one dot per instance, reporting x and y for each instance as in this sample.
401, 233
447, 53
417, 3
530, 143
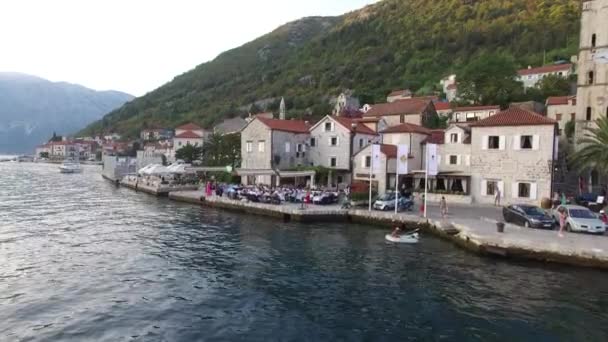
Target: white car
581, 220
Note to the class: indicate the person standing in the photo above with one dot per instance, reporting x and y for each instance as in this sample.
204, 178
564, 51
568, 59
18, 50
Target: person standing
443, 206
497, 196
564, 200
422, 207
562, 221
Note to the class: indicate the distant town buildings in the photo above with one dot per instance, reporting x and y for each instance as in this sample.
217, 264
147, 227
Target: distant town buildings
467, 115
563, 110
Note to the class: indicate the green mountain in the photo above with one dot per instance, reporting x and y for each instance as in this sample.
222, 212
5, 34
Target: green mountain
389, 45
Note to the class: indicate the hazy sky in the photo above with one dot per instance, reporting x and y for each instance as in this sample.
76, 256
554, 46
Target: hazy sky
137, 45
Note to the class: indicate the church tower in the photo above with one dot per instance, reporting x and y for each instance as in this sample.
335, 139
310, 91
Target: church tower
592, 85
282, 109
592, 92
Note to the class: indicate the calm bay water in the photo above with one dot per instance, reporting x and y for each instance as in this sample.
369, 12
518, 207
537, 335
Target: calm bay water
81, 260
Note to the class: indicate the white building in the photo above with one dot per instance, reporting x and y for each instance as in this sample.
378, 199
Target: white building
467, 115
333, 140
531, 76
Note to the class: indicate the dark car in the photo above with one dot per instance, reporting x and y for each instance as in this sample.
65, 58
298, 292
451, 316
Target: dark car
528, 216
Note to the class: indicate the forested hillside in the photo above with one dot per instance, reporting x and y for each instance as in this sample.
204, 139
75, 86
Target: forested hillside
389, 45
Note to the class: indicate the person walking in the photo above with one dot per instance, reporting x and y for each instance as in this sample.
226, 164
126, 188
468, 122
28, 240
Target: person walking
562, 221
443, 206
497, 196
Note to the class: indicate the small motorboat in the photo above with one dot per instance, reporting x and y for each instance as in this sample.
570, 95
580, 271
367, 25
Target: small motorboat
70, 167
406, 238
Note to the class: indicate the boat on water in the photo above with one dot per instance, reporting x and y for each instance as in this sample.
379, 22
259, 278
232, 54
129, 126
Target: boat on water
70, 167
406, 238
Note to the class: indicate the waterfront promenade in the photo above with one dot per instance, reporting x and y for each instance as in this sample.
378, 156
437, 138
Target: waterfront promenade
471, 227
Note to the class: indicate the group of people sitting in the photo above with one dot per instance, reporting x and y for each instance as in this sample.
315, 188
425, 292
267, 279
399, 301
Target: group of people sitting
275, 195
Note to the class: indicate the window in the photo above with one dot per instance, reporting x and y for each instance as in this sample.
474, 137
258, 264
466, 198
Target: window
590, 77
368, 161
493, 142
249, 146
453, 160
328, 127
588, 113
526, 142
361, 141
179, 143
300, 148
313, 142
333, 161
558, 117
454, 138
261, 146
572, 116
491, 187
340, 179
593, 40
523, 190
287, 147
471, 117
333, 141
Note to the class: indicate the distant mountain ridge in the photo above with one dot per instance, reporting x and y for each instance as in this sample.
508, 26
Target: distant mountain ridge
32, 108
392, 44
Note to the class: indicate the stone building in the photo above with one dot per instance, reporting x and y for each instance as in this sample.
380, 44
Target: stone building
561, 109
269, 146
512, 151
362, 162
417, 111
333, 140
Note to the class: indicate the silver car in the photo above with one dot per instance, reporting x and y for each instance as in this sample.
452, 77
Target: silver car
581, 220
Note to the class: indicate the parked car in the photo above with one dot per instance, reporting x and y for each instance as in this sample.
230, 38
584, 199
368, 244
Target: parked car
385, 202
529, 216
324, 198
581, 220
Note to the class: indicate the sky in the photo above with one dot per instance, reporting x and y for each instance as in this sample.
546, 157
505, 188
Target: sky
136, 46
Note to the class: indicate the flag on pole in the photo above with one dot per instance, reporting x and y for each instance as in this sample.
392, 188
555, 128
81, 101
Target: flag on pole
431, 155
376, 157
403, 153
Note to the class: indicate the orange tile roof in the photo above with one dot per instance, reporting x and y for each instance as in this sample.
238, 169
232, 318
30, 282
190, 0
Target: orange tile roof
514, 116
293, 126
545, 69
190, 127
188, 135
560, 100
437, 137
390, 151
348, 124
442, 106
407, 106
408, 128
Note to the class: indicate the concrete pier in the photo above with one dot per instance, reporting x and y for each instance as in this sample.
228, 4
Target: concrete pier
475, 233
155, 189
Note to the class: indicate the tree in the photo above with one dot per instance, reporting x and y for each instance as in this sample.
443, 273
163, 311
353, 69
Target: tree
222, 150
569, 129
189, 153
554, 85
44, 155
593, 154
489, 79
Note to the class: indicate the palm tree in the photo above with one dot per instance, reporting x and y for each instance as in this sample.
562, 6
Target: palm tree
593, 154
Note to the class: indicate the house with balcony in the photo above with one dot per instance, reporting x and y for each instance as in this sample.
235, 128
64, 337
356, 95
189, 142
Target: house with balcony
333, 140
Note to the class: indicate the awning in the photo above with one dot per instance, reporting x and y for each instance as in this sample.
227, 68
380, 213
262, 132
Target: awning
442, 174
209, 169
255, 172
294, 174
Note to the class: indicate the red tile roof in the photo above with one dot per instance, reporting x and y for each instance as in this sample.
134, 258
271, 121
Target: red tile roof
360, 128
369, 119
390, 151
190, 127
560, 100
545, 69
514, 116
437, 137
293, 126
475, 108
443, 106
407, 128
188, 135
407, 106
403, 92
